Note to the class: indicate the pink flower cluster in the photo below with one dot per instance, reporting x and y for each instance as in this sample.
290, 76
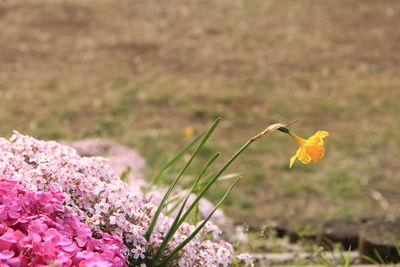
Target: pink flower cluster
120, 158
36, 231
90, 193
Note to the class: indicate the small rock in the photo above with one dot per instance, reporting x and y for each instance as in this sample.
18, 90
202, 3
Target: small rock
341, 231
379, 240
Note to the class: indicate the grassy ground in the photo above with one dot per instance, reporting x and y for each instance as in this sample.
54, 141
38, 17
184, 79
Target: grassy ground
140, 72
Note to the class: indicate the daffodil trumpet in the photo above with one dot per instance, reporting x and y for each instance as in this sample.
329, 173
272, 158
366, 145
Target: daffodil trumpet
309, 149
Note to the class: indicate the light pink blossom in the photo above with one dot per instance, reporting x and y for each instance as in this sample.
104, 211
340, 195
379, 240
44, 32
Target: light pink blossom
78, 198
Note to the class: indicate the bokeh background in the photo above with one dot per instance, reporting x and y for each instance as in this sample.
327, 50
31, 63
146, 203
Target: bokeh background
140, 72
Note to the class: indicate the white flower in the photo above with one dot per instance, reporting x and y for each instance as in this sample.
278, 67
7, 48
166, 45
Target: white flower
138, 252
102, 207
113, 219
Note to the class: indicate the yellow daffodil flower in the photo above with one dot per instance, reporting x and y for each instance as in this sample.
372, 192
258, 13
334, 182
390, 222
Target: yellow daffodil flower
310, 149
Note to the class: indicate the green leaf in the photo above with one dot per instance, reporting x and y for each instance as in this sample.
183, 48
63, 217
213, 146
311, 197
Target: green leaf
174, 159
173, 184
196, 216
176, 223
175, 206
347, 258
226, 177
214, 178
371, 260
197, 230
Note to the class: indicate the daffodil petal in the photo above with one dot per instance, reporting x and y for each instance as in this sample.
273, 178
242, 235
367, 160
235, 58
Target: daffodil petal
316, 139
322, 134
303, 156
315, 152
292, 160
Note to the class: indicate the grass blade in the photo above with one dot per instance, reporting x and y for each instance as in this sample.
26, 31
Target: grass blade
124, 175
195, 232
175, 224
179, 155
201, 184
171, 187
347, 258
196, 216
371, 260
213, 179
176, 205
178, 197
379, 256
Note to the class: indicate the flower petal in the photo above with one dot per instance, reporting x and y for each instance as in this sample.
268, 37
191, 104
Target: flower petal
6, 254
303, 156
316, 139
322, 134
315, 152
292, 160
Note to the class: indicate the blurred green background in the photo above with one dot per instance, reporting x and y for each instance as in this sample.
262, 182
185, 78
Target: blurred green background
139, 72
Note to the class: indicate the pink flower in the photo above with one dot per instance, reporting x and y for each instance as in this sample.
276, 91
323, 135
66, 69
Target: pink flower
84, 235
52, 236
6, 254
